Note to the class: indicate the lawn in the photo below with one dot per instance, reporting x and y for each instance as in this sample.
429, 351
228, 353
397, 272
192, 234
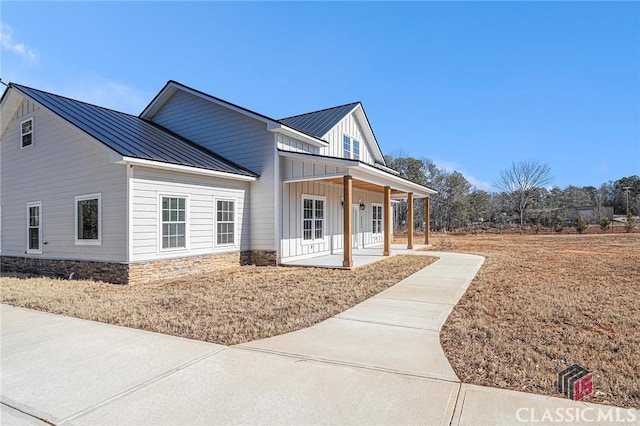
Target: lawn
542, 303
235, 305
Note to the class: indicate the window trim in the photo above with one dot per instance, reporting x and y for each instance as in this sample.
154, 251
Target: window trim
215, 221
352, 142
39, 205
313, 239
32, 133
353, 149
347, 139
83, 242
374, 206
187, 224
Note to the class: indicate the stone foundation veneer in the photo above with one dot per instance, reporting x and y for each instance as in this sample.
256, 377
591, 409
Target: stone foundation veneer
135, 273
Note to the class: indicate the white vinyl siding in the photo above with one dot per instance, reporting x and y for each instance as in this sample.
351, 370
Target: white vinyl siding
26, 133
62, 164
88, 221
239, 138
34, 227
286, 143
173, 222
225, 222
347, 127
203, 192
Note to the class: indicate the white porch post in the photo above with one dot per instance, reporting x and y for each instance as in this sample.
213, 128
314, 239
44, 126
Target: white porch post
387, 221
410, 221
347, 262
427, 219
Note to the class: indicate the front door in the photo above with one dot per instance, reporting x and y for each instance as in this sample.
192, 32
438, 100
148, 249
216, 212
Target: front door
355, 226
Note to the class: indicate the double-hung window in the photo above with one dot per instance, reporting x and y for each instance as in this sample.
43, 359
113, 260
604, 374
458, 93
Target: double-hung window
34, 227
346, 146
88, 219
225, 222
312, 218
377, 219
356, 149
174, 223
26, 133
350, 147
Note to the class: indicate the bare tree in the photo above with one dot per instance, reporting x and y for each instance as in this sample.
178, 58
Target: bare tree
522, 182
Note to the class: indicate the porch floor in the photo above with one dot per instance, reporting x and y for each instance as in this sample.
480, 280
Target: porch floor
361, 257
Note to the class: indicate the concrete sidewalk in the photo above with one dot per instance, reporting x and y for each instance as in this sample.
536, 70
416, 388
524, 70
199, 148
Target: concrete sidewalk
377, 363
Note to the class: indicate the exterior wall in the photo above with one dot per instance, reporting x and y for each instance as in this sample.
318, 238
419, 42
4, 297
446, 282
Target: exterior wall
61, 164
289, 144
293, 246
146, 188
295, 169
239, 138
349, 126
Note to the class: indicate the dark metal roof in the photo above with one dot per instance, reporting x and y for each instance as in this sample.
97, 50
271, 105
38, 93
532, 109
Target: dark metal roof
318, 123
133, 136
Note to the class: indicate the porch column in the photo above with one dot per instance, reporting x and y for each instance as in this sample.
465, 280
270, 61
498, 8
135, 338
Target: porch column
410, 221
346, 213
427, 220
387, 221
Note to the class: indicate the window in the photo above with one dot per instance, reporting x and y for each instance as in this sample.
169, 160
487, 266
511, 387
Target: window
174, 223
225, 222
312, 218
346, 146
26, 133
88, 219
34, 227
350, 147
377, 219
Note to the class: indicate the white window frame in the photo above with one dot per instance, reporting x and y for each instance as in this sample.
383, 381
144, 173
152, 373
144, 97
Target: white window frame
39, 205
215, 222
32, 133
84, 242
313, 239
352, 143
380, 219
187, 224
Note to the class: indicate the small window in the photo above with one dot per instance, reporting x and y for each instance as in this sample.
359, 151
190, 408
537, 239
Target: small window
356, 149
26, 133
34, 227
174, 223
312, 219
377, 219
346, 146
88, 219
225, 222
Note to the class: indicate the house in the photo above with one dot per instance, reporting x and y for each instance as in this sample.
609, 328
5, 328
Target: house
192, 183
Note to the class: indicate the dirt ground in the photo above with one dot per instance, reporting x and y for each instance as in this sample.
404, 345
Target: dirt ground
541, 303
232, 306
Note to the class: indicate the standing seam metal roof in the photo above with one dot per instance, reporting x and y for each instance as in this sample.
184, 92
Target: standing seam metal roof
318, 123
133, 136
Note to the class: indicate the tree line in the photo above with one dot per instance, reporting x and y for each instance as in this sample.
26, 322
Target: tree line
523, 196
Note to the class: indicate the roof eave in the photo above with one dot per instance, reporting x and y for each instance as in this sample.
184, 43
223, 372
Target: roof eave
291, 132
181, 168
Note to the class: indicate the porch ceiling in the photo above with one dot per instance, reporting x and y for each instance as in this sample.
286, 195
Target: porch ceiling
361, 184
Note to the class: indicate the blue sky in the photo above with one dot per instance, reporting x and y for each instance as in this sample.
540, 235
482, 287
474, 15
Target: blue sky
473, 86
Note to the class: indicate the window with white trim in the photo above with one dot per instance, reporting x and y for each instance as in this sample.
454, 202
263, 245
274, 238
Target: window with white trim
174, 223
312, 218
88, 226
26, 133
34, 227
350, 147
377, 219
225, 222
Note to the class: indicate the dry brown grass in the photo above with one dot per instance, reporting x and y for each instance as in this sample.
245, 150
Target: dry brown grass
233, 306
542, 303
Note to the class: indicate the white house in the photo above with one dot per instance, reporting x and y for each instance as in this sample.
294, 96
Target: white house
191, 183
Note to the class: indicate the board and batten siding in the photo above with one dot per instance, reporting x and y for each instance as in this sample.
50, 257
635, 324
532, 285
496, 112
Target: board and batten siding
286, 143
147, 186
347, 126
293, 246
239, 138
61, 164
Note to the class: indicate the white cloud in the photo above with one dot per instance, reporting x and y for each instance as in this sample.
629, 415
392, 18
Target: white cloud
9, 44
100, 91
452, 166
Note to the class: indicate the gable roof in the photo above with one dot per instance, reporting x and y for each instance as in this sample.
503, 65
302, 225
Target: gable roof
132, 136
318, 123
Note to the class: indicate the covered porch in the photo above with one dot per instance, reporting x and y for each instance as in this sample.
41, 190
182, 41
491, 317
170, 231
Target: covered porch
361, 257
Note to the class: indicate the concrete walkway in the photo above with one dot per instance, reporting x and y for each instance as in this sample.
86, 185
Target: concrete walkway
377, 363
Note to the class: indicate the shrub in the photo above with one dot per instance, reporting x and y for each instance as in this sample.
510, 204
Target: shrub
631, 223
605, 224
581, 224
558, 225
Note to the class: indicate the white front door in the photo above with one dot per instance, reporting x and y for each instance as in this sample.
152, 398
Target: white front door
355, 226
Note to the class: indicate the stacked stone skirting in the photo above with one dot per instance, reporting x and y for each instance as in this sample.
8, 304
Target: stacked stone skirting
134, 273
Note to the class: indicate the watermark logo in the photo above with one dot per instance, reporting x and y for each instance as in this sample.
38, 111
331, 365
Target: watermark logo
575, 382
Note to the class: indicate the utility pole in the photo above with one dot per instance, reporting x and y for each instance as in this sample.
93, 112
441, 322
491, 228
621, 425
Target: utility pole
626, 189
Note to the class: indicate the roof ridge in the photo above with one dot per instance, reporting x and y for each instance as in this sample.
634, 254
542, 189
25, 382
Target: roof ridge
321, 110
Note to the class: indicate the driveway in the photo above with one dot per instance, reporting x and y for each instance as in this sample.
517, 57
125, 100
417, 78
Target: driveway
379, 362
